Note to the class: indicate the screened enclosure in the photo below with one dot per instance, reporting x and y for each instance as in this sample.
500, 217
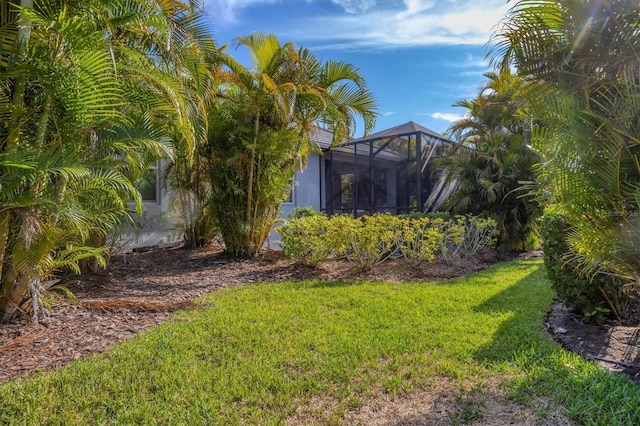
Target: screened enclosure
389, 171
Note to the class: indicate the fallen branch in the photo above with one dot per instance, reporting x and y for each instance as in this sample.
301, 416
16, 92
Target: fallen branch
113, 305
613, 361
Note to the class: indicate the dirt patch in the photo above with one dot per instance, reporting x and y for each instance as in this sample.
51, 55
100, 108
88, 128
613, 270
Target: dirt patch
615, 347
444, 402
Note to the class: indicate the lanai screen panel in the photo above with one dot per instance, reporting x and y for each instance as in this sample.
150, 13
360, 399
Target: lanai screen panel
385, 172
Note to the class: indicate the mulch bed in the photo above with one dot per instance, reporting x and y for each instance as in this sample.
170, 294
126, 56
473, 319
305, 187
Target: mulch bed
140, 290
613, 346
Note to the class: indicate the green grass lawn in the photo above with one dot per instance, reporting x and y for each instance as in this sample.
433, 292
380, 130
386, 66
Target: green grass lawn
254, 354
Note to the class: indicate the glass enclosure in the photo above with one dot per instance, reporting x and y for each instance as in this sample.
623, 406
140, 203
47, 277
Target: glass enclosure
390, 171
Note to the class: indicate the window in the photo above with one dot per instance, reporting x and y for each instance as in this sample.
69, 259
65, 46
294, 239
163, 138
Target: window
292, 187
148, 186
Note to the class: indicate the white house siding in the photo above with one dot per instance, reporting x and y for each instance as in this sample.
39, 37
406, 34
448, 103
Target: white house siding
306, 193
158, 223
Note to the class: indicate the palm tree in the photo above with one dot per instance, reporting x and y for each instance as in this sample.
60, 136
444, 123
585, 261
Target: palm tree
493, 159
87, 98
583, 56
264, 121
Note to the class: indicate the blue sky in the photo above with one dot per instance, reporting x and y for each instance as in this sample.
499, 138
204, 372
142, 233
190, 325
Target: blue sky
417, 56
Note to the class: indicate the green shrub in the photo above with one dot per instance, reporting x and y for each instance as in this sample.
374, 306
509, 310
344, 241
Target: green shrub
446, 216
299, 212
591, 294
451, 245
304, 238
373, 240
370, 240
480, 234
419, 240
339, 234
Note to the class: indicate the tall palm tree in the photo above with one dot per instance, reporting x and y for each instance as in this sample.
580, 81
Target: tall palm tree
583, 55
275, 105
87, 98
493, 159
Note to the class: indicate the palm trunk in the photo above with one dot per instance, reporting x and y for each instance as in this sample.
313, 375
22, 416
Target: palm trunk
43, 123
248, 218
17, 97
12, 293
4, 238
5, 292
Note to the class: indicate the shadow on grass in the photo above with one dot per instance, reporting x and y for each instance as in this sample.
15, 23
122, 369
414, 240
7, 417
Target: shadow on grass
526, 301
587, 393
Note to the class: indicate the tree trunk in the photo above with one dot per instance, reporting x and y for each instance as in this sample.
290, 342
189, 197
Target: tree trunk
19, 83
12, 294
249, 222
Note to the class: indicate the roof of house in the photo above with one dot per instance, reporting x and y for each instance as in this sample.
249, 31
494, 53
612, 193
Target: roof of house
401, 130
322, 137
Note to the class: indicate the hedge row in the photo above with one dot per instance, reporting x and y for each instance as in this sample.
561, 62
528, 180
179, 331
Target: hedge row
370, 240
594, 295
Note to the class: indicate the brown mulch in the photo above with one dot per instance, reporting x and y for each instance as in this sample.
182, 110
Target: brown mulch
614, 346
140, 290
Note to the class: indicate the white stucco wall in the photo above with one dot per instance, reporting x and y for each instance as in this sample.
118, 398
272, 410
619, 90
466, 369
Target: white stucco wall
306, 193
158, 223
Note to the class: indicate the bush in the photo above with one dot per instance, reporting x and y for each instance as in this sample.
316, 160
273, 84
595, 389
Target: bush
299, 212
370, 240
446, 216
420, 239
373, 239
480, 234
592, 294
305, 238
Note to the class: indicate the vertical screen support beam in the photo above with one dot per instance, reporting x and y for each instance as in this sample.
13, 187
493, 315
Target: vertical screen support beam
371, 177
419, 171
355, 180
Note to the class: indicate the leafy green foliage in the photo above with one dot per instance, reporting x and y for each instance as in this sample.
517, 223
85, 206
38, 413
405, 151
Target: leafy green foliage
305, 238
593, 296
420, 239
89, 99
259, 133
466, 236
584, 87
493, 161
370, 240
299, 212
430, 215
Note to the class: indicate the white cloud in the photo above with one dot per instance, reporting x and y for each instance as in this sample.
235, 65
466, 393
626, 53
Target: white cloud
451, 118
388, 113
471, 66
225, 11
415, 6
412, 23
473, 73
355, 6
471, 61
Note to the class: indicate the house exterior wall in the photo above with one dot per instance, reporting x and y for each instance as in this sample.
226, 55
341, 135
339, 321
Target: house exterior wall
306, 193
159, 226
157, 223
378, 179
